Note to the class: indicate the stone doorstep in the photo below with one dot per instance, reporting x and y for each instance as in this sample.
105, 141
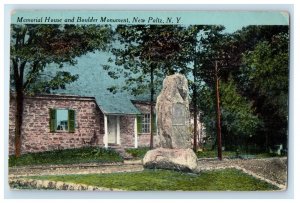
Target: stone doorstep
57, 185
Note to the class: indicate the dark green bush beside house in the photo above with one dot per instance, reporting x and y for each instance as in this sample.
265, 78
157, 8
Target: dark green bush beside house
67, 156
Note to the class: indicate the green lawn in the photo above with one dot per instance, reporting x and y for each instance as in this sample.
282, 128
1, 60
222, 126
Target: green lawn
164, 180
67, 156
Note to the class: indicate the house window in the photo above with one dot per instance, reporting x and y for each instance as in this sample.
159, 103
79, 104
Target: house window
143, 122
62, 120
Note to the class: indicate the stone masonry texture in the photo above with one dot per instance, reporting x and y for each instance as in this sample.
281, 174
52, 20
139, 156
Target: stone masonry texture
36, 135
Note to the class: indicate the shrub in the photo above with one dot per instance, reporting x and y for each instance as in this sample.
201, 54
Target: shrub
138, 152
67, 156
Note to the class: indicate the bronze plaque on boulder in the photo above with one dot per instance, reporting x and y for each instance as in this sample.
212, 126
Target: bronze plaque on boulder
178, 114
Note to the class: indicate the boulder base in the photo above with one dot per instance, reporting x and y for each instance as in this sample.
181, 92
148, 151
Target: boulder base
172, 159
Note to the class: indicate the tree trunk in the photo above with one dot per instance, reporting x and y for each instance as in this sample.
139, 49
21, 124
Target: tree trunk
151, 107
18, 69
195, 95
18, 120
218, 112
195, 116
200, 132
266, 141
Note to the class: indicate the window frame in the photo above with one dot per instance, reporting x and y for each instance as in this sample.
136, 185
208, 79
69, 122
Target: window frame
144, 123
71, 120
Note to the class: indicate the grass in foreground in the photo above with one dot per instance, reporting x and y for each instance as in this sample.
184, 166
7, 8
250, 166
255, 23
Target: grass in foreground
164, 180
67, 156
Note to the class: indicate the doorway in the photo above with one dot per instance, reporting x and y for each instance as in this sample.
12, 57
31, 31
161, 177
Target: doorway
112, 129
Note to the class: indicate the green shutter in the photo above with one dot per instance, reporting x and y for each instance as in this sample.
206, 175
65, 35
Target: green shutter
139, 124
153, 122
71, 121
52, 113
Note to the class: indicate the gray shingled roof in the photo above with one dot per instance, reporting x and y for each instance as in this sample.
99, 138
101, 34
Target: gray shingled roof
93, 81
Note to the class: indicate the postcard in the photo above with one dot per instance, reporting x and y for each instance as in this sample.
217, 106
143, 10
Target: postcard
148, 100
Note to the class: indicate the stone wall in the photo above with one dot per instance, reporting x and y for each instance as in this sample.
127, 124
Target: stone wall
143, 107
127, 131
36, 135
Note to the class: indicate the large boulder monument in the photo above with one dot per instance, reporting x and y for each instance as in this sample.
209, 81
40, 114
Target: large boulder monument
172, 110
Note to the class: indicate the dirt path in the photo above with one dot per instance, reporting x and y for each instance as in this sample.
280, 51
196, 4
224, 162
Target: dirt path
272, 170
128, 166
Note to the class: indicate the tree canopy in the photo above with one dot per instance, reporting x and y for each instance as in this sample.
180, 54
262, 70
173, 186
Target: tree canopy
33, 47
254, 82
163, 49
264, 79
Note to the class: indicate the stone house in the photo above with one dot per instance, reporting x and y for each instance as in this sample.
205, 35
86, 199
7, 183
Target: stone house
57, 121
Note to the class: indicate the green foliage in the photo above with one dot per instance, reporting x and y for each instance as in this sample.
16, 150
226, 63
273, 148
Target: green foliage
35, 47
214, 154
138, 153
67, 156
253, 75
238, 117
266, 68
208, 113
264, 78
240, 153
163, 180
58, 81
145, 49
214, 47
